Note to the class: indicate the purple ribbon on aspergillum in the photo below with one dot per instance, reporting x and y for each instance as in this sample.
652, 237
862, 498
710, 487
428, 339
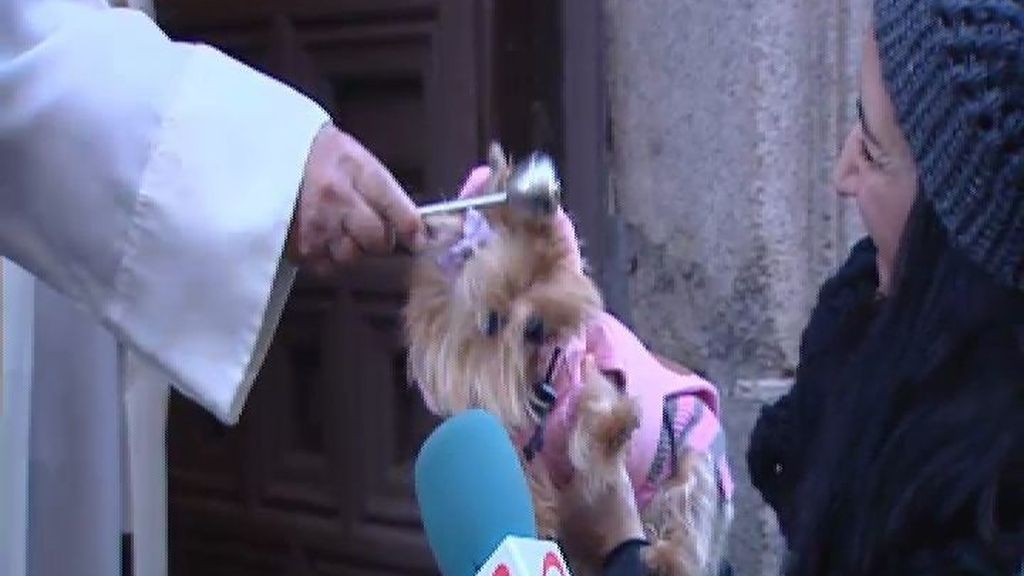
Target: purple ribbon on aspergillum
475, 234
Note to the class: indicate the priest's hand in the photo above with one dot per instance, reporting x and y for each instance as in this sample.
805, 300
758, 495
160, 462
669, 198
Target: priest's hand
349, 206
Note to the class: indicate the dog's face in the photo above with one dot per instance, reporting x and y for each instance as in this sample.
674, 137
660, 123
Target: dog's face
488, 301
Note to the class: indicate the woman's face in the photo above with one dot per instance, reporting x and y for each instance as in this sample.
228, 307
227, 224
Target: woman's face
876, 167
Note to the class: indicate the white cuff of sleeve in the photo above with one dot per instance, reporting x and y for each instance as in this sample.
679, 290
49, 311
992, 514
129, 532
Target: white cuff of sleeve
203, 280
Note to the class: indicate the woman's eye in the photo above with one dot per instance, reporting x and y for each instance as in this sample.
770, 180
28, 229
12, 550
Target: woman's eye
866, 153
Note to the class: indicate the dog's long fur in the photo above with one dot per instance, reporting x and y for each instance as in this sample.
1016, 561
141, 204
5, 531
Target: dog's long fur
529, 272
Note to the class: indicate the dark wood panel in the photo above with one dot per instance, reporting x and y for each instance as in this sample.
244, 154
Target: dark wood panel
332, 429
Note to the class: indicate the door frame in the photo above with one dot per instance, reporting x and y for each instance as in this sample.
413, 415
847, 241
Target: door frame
586, 164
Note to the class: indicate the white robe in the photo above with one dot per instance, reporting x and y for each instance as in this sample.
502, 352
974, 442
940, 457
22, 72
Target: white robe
148, 186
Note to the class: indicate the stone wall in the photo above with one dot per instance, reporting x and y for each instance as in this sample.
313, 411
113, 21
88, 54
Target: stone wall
143, 5
726, 120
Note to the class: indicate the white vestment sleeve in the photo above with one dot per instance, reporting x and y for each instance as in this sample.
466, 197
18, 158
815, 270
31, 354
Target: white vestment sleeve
153, 183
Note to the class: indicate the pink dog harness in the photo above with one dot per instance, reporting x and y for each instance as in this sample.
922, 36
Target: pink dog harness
676, 410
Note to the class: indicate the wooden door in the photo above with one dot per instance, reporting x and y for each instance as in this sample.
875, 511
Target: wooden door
316, 477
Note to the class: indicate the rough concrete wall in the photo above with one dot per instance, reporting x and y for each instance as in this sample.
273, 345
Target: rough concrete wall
726, 119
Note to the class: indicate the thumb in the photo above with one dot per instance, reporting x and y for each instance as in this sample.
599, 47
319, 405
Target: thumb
476, 182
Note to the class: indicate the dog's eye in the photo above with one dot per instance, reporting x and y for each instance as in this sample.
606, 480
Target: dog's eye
491, 323
533, 332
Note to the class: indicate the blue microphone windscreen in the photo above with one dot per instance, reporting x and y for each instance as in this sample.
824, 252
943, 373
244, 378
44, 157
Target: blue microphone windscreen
472, 492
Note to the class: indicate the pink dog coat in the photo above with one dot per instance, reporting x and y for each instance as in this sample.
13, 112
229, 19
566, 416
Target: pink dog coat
676, 410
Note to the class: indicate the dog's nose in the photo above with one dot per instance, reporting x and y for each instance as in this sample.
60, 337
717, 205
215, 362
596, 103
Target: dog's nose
533, 332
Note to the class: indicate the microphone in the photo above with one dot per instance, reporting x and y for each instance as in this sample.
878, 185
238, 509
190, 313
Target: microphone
475, 502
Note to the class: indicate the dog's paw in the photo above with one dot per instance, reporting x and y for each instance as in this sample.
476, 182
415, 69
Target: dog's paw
606, 421
614, 428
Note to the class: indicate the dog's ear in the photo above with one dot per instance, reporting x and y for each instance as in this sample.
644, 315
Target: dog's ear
497, 159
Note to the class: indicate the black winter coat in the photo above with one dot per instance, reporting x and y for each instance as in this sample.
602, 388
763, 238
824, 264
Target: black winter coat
940, 536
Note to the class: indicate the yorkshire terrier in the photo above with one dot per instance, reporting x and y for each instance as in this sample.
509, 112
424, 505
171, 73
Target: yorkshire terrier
502, 315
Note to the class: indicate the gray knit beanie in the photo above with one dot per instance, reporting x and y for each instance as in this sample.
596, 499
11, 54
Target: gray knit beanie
955, 72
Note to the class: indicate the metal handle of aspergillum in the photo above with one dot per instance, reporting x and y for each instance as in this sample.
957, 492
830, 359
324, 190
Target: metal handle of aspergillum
532, 186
